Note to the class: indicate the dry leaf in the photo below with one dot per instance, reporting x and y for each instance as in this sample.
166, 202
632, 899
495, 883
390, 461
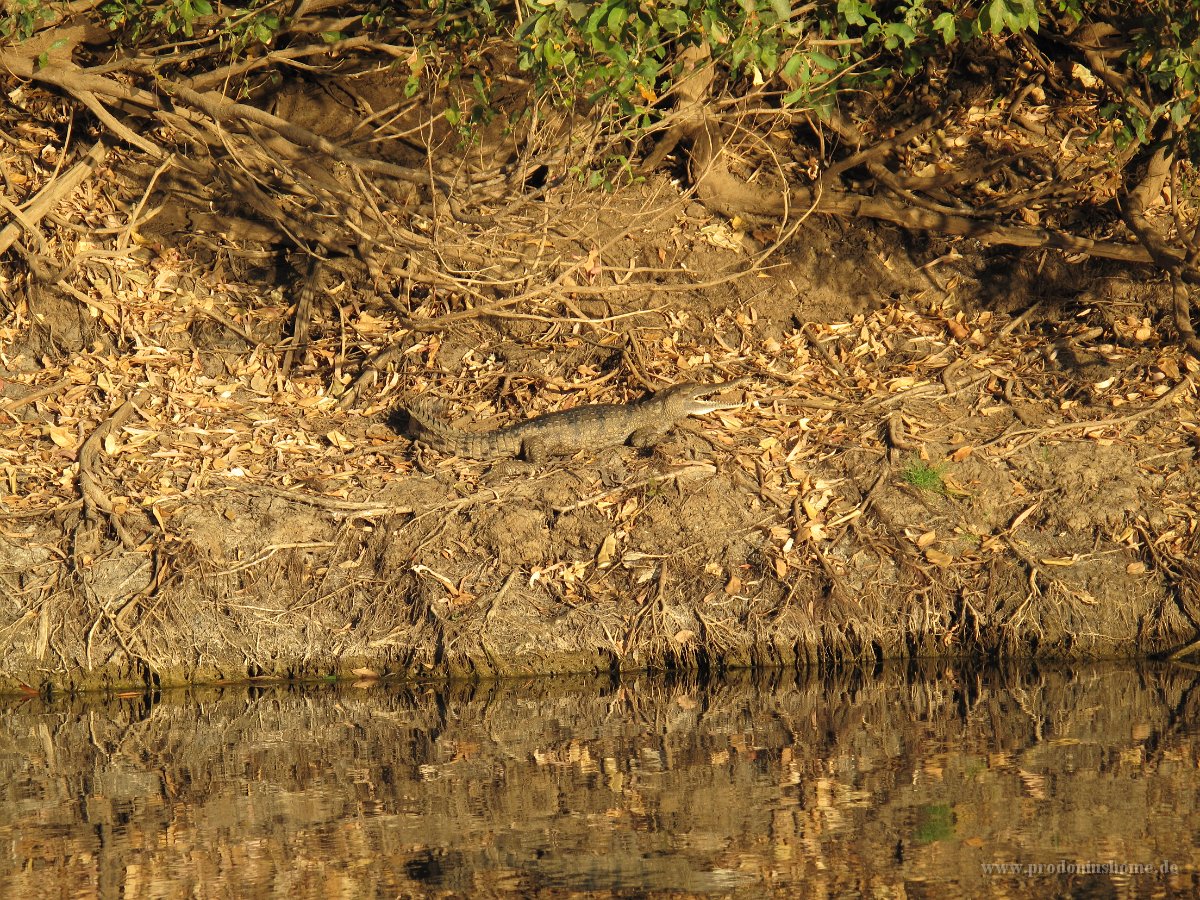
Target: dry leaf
938, 558
814, 531
62, 436
720, 235
684, 636
339, 440
733, 585
957, 329
927, 539
608, 550
1023, 516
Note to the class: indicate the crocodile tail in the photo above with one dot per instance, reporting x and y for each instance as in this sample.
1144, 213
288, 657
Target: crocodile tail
426, 422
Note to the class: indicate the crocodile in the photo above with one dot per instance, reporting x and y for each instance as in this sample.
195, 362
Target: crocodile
641, 423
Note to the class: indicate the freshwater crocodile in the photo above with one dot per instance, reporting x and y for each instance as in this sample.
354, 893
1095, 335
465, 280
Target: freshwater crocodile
641, 423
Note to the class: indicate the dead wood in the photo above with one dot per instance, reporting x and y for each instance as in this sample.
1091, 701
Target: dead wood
53, 193
96, 500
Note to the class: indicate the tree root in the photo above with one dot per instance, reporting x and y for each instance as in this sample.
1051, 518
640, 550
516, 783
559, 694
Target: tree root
52, 193
95, 499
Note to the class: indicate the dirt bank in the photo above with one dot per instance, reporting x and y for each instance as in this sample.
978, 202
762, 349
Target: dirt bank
942, 450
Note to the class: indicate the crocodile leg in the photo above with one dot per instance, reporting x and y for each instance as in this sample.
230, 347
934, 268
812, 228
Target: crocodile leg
534, 449
649, 436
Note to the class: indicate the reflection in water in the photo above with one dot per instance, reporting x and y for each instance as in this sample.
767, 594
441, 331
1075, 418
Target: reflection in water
901, 783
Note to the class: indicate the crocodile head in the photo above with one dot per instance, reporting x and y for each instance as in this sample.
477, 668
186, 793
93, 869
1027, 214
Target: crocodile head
691, 397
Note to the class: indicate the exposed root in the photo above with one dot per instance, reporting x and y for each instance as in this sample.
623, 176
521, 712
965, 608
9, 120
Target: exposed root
95, 499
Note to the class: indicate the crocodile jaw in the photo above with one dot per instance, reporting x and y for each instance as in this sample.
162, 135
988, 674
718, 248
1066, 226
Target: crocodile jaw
703, 407
693, 406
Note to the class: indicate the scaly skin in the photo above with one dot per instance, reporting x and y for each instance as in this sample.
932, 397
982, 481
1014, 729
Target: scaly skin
641, 423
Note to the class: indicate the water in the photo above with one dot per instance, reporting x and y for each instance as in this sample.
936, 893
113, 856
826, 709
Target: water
898, 783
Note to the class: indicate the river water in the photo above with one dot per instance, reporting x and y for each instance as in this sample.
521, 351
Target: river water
904, 782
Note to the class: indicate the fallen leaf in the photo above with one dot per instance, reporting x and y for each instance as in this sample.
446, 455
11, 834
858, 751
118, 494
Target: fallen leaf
938, 558
339, 440
608, 549
62, 436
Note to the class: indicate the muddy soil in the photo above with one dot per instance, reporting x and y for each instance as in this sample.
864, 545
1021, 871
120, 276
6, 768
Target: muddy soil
941, 450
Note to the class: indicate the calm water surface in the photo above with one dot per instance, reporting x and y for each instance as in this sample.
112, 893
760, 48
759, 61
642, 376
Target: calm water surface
900, 783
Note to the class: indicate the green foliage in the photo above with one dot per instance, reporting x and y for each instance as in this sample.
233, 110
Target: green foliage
246, 27
450, 49
24, 17
1164, 54
619, 60
137, 18
624, 54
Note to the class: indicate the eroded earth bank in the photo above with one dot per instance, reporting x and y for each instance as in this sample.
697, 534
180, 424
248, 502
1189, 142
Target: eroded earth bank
940, 450
220, 286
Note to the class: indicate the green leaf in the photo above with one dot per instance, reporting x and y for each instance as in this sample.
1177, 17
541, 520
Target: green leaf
673, 20
945, 24
822, 60
795, 96
851, 12
897, 33
823, 106
991, 17
616, 18
203, 7
856, 12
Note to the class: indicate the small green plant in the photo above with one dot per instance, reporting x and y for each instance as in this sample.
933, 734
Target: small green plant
24, 17
137, 18
924, 477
